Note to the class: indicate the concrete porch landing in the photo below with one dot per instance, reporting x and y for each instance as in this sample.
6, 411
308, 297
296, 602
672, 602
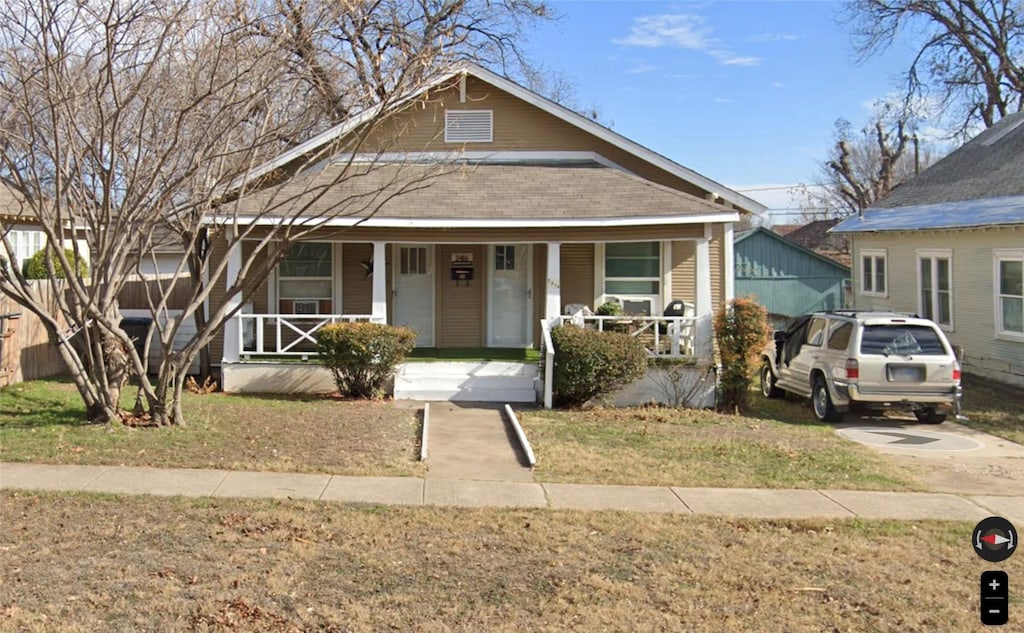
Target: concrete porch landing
473, 442
467, 381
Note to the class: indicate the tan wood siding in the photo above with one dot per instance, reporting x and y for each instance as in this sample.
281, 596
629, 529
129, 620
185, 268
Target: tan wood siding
356, 286
684, 267
518, 125
460, 308
973, 301
258, 298
577, 273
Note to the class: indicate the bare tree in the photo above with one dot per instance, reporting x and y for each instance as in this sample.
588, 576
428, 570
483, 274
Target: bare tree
970, 53
124, 122
865, 165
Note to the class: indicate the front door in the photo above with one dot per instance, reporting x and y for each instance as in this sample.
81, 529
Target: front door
414, 291
509, 296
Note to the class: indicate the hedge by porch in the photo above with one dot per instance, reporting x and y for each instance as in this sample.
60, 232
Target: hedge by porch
589, 363
363, 357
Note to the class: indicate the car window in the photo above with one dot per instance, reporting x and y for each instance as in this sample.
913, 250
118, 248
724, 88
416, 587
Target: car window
899, 339
839, 337
815, 332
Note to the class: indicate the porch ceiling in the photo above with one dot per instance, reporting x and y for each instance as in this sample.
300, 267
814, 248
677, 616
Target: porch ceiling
544, 192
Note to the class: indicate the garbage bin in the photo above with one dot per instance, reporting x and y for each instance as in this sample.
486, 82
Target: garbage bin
137, 328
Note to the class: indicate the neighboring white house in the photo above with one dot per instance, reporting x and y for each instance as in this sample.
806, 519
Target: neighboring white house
949, 245
19, 226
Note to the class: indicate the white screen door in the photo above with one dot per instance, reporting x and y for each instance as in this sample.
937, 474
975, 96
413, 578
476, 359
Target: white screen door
414, 291
510, 296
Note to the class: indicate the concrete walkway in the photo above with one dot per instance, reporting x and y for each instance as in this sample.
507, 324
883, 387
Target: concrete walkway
414, 491
473, 442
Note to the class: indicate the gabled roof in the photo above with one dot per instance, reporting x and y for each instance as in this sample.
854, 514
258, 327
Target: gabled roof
478, 195
559, 111
991, 165
980, 184
12, 203
786, 243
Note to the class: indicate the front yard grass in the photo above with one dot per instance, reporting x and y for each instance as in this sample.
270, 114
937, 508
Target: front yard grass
41, 421
83, 563
685, 447
994, 408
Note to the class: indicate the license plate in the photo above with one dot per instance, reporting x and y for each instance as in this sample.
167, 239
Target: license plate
905, 373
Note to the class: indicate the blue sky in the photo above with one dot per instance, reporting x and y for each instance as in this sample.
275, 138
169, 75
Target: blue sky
745, 93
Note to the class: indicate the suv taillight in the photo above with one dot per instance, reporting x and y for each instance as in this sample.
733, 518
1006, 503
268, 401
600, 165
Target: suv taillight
852, 369
956, 372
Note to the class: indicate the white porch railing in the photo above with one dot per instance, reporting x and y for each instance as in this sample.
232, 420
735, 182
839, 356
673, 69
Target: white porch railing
288, 334
663, 337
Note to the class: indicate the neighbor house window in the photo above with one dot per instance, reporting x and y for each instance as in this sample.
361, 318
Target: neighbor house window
873, 273
632, 273
935, 286
305, 279
1009, 271
26, 244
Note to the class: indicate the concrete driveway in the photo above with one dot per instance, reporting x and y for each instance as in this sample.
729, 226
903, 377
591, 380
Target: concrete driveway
950, 457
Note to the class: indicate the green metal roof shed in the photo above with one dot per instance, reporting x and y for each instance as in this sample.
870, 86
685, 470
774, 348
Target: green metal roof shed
785, 277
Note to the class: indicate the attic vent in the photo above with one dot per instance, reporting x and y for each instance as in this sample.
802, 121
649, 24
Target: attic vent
468, 126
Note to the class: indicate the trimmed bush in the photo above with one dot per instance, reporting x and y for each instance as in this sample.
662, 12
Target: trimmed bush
742, 332
35, 266
589, 363
363, 356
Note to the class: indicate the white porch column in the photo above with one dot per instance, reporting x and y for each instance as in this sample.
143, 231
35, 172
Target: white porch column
704, 306
729, 263
553, 287
232, 325
380, 283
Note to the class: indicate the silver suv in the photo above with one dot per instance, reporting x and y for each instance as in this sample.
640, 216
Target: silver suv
873, 360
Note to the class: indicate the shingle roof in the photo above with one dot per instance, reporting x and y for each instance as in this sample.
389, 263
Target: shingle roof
990, 165
1008, 210
12, 203
544, 191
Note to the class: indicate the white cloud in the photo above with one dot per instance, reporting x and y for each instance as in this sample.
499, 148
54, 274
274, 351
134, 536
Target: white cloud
777, 84
723, 100
676, 30
774, 37
640, 69
681, 30
728, 59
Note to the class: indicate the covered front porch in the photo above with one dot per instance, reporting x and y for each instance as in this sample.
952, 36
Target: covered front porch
494, 294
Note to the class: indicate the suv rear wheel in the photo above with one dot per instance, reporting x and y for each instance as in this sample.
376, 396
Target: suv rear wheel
928, 415
768, 388
821, 400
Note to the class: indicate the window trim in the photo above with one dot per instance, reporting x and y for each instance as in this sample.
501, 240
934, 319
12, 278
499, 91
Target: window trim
281, 279
655, 298
1001, 255
875, 254
933, 255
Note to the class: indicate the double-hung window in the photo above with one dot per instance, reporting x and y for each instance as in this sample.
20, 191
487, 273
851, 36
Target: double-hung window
632, 273
873, 273
1009, 287
305, 279
935, 286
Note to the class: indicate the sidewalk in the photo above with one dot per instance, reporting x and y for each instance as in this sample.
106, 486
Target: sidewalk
750, 503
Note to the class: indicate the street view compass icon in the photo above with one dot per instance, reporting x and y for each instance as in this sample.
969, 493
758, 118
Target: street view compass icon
995, 539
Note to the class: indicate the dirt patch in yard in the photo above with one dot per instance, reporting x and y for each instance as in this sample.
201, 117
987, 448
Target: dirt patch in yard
89, 563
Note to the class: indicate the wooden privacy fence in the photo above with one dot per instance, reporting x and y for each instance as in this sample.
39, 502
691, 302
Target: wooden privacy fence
26, 352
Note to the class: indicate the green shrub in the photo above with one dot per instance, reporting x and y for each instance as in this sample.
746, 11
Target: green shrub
610, 308
589, 363
363, 356
742, 332
35, 266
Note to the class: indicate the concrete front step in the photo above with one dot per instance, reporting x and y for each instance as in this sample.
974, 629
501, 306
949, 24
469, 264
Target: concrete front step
467, 381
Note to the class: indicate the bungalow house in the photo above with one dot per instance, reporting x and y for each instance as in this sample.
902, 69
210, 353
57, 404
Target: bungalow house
514, 211
949, 245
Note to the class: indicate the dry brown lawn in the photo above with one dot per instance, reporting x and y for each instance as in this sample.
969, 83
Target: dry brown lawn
79, 563
41, 422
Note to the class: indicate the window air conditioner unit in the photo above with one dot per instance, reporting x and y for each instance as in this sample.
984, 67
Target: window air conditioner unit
638, 307
307, 306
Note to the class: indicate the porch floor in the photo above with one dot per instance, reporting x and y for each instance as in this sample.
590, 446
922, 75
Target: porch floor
512, 354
